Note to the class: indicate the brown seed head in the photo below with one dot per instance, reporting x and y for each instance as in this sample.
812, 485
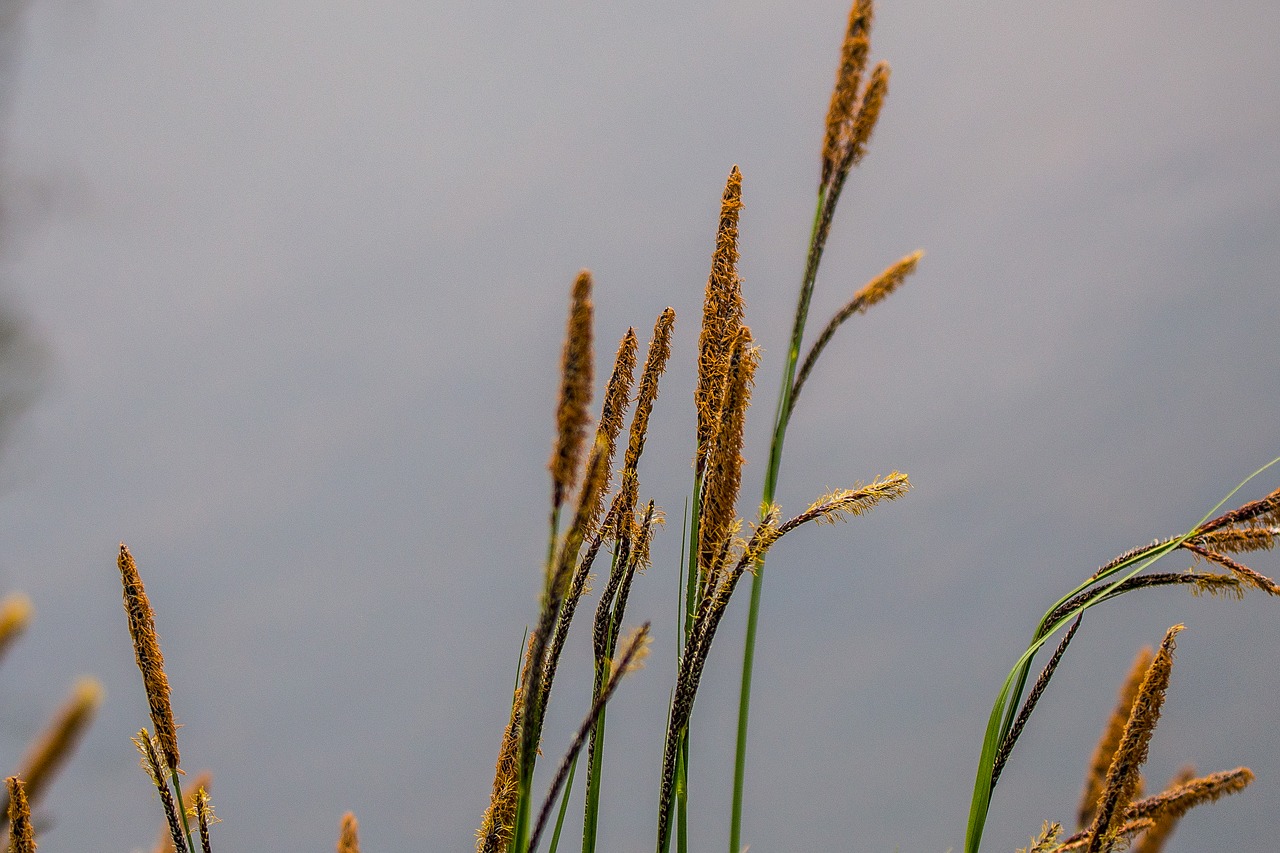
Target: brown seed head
576, 377
853, 59
1131, 754
868, 114
617, 395
146, 648
722, 311
1246, 575
723, 468
1239, 540
348, 841
842, 503
1105, 751
654, 365
60, 739
22, 837
874, 291
15, 616
498, 822
1186, 792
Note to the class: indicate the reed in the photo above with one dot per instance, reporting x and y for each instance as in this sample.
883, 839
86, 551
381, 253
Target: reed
597, 513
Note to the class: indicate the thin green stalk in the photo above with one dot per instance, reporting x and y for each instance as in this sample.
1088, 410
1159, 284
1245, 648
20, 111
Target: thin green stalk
682, 794
692, 597
528, 755
781, 417
591, 821
186, 824
1010, 694
564, 806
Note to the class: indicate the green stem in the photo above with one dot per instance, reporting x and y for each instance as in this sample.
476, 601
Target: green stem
1011, 691
591, 821
693, 586
564, 806
186, 824
781, 417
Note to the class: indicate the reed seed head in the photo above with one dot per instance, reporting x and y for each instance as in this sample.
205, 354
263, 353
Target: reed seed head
498, 822
202, 781
146, 647
1046, 841
722, 312
348, 840
844, 95
617, 394
654, 366
15, 616
1155, 838
1246, 575
58, 742
723, 468
1239, 540
1131, 754
22, 838
576, 378
1105, 750
1186, 792
842, 503
864, 123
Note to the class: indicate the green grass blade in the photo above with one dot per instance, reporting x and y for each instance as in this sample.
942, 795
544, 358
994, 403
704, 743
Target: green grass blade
564, 806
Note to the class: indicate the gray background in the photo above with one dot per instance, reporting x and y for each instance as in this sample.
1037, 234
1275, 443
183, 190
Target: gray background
300, 271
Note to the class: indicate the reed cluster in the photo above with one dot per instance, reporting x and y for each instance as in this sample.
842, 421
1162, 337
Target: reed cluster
599, 539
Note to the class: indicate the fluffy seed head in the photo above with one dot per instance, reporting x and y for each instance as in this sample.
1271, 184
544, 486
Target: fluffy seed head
1131, 754
348, 841
146, 648
722, 311
576, 377
22, 838
844, 95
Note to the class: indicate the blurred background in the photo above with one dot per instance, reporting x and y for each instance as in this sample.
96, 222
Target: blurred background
292, 279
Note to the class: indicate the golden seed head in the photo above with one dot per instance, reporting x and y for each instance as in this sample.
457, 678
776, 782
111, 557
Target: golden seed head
1239, 540
576, 378
348, 840
654, 365
618, 392
887, 282
723, 464
842, 503
57, 743
844, 95
1105, 750
495, 832
22, 838
864, 123
15, 615
146, 647
722, 312
1131, 754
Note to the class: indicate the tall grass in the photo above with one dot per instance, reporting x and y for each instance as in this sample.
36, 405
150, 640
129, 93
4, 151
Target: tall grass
599, 534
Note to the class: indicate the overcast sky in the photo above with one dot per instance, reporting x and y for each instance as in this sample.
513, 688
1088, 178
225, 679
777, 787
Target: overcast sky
300, 271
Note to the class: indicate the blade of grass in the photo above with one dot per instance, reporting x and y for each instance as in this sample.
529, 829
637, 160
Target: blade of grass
781, 416
1004, 712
